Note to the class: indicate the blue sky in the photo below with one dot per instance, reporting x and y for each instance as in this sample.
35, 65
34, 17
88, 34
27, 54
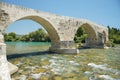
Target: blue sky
104, 12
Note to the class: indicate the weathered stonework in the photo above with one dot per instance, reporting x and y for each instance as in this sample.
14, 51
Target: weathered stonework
63, 47
1, 38
4, 17
61, 30
4, 71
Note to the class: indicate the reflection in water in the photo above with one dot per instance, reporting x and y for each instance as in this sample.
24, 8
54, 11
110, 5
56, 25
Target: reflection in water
89, 64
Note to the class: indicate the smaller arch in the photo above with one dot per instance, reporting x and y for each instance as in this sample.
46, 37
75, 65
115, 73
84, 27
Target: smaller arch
91, 38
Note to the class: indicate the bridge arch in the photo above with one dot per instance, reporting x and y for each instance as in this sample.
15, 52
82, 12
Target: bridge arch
91, 38
49, 27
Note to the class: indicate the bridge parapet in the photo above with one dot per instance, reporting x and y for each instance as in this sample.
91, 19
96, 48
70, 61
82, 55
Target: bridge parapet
3, 4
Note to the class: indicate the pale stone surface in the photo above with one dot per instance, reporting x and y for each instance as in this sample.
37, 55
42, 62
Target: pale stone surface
1, 38
2, 48
4, 71
12, 68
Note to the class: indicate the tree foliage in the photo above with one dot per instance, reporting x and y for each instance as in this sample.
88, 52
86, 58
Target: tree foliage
41, 36
10, 37
36, 36
80, 35
114, 34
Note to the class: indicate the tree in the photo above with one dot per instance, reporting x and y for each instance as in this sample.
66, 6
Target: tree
12, 34
36, 36
10, 37
80, 31
114, 34
80, 35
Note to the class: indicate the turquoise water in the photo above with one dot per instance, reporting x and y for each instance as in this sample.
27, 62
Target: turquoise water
89, 64
26, 47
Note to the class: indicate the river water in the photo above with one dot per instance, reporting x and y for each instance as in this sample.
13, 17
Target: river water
89, 64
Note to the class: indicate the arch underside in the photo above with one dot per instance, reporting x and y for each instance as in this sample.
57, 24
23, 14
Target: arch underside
49, 27
91, 39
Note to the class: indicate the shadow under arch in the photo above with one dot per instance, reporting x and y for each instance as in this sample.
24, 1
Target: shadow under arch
49, 27
91, 38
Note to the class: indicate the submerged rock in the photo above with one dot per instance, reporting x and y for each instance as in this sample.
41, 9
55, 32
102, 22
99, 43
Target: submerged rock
45, 62
57, 78
69, 75
44, 78
106, 77
84, 78
104, 68
36, 76
23, 77
87, 72
39, 70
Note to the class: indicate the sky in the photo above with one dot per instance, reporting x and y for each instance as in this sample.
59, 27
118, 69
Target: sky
104, 12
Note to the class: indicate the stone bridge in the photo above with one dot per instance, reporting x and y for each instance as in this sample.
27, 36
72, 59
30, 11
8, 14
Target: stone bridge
61, 30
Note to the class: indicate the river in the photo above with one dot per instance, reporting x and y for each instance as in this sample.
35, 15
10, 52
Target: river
26, 47
89, 64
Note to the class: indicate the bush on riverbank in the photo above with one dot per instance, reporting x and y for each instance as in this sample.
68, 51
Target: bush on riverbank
114, 34
36, 36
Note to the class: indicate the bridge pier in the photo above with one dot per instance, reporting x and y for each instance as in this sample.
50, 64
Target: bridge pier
93, 43
63, 47
4, 70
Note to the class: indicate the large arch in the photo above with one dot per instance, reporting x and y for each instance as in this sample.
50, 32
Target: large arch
49, 27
